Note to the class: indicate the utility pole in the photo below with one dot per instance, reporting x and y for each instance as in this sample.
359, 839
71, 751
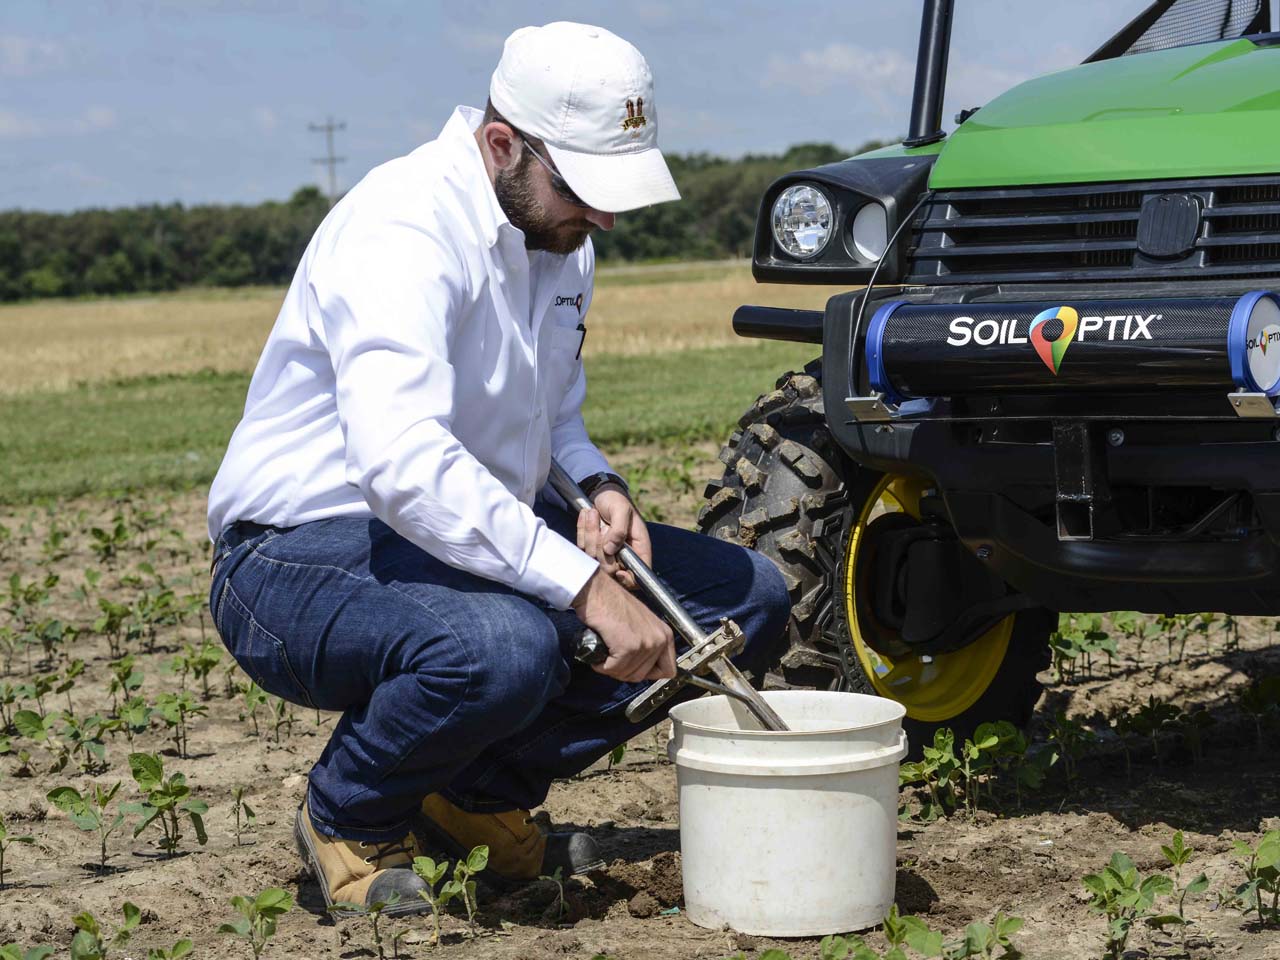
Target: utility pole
329, 160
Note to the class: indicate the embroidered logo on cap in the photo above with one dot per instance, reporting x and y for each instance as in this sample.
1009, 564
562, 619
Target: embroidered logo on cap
635, 114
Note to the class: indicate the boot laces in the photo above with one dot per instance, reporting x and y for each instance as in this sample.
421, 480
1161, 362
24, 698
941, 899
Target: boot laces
386, 848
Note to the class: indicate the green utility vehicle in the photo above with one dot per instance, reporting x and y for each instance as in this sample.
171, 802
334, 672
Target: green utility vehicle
1055, 384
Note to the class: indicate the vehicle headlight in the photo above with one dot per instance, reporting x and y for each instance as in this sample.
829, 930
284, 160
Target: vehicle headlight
802, 221
871, 231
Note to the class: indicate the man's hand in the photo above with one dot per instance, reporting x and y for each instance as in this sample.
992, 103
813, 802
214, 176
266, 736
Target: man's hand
641, 646
624, 525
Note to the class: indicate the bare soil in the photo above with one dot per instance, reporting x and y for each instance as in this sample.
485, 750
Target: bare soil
1025, 860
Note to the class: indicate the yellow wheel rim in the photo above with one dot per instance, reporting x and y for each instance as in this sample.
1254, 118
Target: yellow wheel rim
932, 688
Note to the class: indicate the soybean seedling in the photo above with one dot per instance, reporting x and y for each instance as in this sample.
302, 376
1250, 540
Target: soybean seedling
126, 678
107, 544
41, 729
91, 942
238, 807
373, 911
202, 662
1177, 854
1071, 737
89, 813
1262, 702
258, 917
8, 700
463, 884
432, 873
616, 755
282, 711
112, 624
938, 769
254, 699
85, 737
135, 716
1119, 894
174, 708
176, 952
11, 951
1262, 878
1151, 718
167, 800
557, 877
68, 680
6, 841
1192, 725
85, 592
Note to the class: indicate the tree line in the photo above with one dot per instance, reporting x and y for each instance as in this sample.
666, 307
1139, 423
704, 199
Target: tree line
166, 246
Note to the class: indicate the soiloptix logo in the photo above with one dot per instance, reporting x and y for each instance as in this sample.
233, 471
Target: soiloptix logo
1052, 351
985, 332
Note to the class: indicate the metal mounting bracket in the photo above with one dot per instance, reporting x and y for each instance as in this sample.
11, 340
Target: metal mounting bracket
1247, 404
872, 409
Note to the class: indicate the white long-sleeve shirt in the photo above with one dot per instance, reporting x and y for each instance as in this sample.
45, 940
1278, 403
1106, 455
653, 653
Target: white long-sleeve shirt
423, 370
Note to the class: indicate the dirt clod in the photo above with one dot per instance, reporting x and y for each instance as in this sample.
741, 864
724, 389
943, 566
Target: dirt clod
643, 905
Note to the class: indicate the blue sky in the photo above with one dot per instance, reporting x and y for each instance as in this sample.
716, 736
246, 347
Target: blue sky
119, 102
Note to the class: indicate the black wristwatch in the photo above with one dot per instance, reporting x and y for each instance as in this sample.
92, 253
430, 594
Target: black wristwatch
592, 483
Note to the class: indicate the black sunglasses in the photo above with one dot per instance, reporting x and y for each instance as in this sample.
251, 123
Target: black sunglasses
558, 183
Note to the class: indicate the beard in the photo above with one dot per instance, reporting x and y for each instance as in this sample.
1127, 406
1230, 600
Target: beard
517, 199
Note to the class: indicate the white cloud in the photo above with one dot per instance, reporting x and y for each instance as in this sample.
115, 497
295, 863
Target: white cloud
96, 118
884, 77
480, 41
18, 126
26, 56
15, 126
265, 119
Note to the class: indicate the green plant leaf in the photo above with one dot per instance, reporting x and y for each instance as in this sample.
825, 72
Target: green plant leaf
274, 901
29, 724
1198, 885
834, 948
478, 859
84, 946
87, 922
147, 770
239, 928
65, 798
1155, 886
152, 813
921, 939
197, 823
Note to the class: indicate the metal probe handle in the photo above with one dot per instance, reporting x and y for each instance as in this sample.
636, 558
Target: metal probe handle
568, 488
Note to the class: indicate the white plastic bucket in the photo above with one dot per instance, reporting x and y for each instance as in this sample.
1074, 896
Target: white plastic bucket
789, 834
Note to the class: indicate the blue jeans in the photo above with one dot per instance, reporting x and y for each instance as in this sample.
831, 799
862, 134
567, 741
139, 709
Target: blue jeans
448, 682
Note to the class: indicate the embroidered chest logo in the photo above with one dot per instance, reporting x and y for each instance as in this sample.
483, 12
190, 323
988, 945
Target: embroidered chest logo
635, 115
570, 302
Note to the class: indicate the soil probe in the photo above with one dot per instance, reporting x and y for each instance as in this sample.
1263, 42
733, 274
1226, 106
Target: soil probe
707, 652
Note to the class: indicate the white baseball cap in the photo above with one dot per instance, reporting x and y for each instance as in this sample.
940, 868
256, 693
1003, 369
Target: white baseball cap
588, 95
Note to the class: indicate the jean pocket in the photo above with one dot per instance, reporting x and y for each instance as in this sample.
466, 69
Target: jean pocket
260, 653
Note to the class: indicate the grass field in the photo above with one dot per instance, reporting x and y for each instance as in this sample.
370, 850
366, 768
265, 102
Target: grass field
108, 395
56, 344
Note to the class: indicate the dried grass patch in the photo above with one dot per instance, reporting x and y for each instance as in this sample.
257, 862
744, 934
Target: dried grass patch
56, 344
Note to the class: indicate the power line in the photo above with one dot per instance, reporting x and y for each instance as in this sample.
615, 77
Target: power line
329, 160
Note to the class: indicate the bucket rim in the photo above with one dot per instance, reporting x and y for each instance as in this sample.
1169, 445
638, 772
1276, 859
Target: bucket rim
900, 711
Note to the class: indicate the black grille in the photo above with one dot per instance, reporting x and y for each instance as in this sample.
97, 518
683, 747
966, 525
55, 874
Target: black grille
1087, 232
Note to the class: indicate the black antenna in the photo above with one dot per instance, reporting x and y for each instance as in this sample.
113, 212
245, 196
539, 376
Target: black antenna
931, 74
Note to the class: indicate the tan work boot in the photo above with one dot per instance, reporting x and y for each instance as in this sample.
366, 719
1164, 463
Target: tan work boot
360, 872
518, 850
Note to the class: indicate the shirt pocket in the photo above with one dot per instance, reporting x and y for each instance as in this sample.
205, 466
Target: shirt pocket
563, 357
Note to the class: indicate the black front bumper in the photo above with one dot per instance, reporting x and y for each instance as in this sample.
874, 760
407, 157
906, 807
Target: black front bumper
997, 462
